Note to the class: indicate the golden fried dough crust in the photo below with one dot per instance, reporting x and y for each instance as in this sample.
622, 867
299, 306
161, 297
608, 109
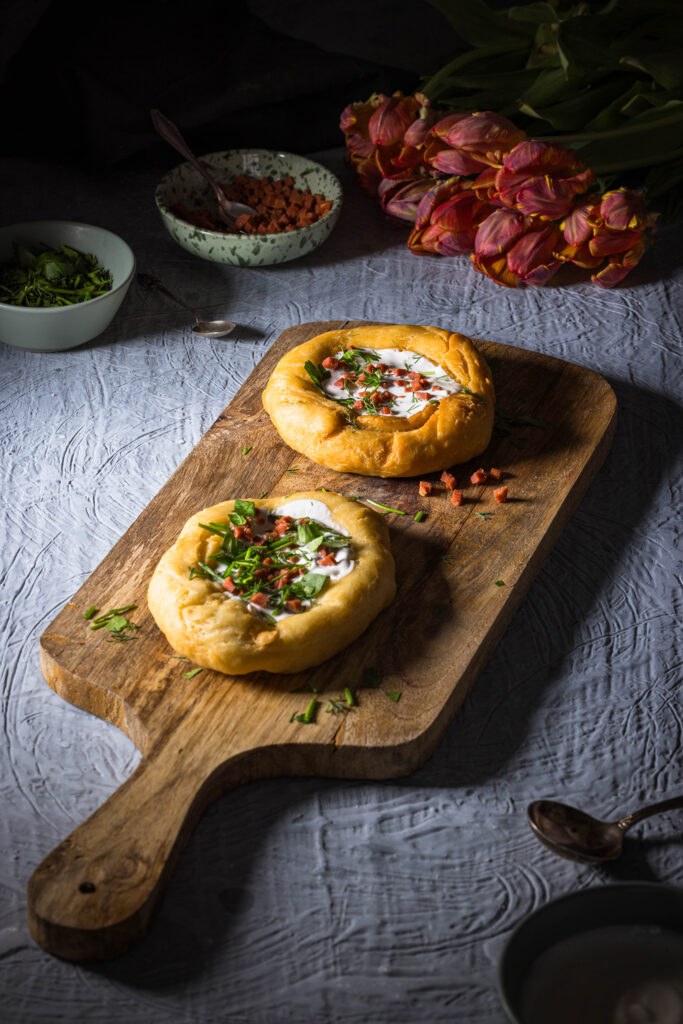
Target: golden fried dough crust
455, 430
217, 632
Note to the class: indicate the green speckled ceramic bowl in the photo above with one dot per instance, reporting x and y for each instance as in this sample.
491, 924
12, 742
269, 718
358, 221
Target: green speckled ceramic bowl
185, 185
57, 328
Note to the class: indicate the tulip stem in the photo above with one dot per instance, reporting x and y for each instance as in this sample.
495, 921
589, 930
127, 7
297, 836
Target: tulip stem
629, 129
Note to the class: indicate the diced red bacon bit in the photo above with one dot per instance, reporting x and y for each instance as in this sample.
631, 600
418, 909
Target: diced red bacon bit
262, 572
479, 476
248, 535
238, 532
330, 363
501, 494
268, 561
414, 375
456, 496
369, 368
416, 385
229, 585
400, 371
271, 536
259, 599
386, 411
357, 405
425, 488
448, 479
424, 395
258, 541
496, 474
294, 604
339, 383
328, 559
382, 367
282, 525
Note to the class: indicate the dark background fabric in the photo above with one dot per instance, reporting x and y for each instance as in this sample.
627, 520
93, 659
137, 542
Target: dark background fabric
78, 80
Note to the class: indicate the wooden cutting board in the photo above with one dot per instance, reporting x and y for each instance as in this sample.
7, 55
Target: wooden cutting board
93, 896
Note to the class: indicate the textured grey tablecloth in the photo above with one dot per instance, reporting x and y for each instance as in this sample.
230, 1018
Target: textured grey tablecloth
310, 900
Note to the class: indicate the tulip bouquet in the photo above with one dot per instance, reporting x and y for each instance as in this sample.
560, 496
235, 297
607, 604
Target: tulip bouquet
472, 183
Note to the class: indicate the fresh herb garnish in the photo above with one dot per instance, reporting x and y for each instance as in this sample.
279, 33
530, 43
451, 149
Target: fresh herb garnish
262, 494
500, 583
483, 515
53, 277
386, 508
473, 394
349, 697
395, 695
309, 714
92, 610
419, 516
293, 470
448, 559
115, 621
192, 673
245, 508
247, 449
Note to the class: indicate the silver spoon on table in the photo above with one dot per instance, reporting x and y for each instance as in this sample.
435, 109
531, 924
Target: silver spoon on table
578, 836
207, 328
228, 210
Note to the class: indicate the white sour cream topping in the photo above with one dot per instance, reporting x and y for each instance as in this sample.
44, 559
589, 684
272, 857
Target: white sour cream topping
434, 384
316, 512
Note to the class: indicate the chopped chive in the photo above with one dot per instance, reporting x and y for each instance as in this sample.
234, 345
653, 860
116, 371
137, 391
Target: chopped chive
179, 657
293, 470
247, 449
192, 673
398, 511
308, 714
349, 697
448, 559
395, 695
419, 516
500, 583
262, 494
92, 610
484, 515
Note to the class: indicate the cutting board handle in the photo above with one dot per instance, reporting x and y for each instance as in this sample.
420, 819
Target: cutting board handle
93, 896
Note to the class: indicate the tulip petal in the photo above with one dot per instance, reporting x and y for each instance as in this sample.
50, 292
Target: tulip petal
545, 197
532, 250
541, 274
495, 267
446, 123
606, 242
624, 209
532, 157
400, 199
619, 266
451, 161
578, 226
483, 132
498, 232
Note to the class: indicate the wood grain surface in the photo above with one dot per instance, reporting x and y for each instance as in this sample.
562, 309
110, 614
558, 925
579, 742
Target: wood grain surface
93, 896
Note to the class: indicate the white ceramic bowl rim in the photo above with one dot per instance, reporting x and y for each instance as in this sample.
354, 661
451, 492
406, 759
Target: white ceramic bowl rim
75, 305
334, 182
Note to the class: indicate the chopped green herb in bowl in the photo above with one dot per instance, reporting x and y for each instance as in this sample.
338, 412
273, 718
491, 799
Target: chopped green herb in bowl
61, 283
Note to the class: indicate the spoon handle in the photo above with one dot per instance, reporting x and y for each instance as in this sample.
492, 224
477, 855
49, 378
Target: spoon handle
168, 131
647, 812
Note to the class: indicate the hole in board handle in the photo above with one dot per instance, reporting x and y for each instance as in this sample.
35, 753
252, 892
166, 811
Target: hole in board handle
87, 887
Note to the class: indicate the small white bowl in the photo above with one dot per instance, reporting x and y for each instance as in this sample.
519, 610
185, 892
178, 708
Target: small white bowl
57, 328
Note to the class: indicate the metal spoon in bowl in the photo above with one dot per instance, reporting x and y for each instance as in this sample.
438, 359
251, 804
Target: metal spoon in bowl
207, 328
578, 836
228, 210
